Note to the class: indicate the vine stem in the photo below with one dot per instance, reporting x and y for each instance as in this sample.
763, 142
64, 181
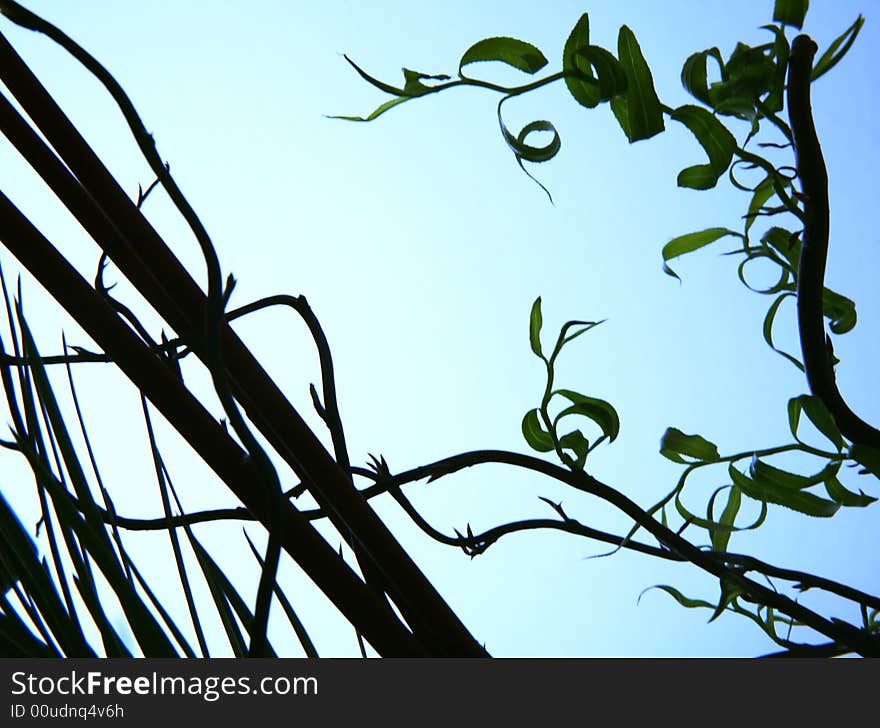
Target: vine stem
860, 641
815, 345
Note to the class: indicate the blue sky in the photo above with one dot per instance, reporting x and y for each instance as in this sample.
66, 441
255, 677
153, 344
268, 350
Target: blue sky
421, 246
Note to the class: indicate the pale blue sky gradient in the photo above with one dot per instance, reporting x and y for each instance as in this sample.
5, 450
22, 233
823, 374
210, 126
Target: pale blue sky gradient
421, 246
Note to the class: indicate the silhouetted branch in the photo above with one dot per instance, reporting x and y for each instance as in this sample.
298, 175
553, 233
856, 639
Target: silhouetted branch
860, 640
199, 428
829, 649
107, 213
815, 345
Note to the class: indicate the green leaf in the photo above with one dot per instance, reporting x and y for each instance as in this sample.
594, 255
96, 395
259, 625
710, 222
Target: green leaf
817, 413
413, 85
838, 493
796, 500
565, 337
710, 524
748, 75
513, 52
694, 75
763, 192
714, 137
611, 78
373, 81
783, 282
531, 153
866, 456
775, 100
786, 243
584, 87
598, 410
730, 590
790, 12
527, 152
835, 52
675, 443
537, 437
621, 113
536, 321
840, 309
742, 107
578, 444
641, 116
721, 537
378, 112
680, 598
768, 329
691, 242
765, 473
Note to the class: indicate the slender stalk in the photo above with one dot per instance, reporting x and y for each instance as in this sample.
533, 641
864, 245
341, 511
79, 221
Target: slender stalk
815, 345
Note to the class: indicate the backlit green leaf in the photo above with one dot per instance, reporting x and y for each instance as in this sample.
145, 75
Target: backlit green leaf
584, 87
768, 328
817, 413
766, 473
845, 497
536, 321
840, 310
721, 537
714, 137
748, 75
643, 114
373, 81
838, 49
730, 590
790, 12
611, 78
413, 85
598, 410
528, 152
674, 444
578, 444
763, 192
694, 74
532, 153
783, 282
514, 52
785, 243
680, 598
691, 242
621, 113
537, 437
796, 500
378, 112
580, 327
775, 101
